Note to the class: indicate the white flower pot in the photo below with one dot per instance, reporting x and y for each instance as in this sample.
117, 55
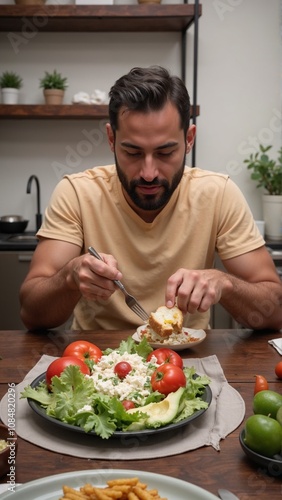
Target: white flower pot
272, 214
10, 96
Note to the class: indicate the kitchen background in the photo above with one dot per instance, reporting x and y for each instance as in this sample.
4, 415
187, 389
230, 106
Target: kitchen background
239, 93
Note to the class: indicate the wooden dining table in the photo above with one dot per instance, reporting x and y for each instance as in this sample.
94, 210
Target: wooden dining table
242, 354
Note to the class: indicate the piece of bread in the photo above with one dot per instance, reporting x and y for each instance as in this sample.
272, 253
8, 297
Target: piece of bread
165, 321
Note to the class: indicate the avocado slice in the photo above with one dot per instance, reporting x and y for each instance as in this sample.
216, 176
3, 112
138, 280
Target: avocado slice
158, 414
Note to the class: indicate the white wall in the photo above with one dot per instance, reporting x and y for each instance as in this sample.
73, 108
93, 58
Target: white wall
239, 92
239, 87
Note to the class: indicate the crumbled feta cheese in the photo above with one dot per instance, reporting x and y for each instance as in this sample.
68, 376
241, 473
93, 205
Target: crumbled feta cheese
135, 386
85, 408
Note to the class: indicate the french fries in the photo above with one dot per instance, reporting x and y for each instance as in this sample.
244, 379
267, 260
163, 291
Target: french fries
120, 489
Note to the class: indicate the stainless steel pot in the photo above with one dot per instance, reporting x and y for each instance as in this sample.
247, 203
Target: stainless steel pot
11, 218
12, 224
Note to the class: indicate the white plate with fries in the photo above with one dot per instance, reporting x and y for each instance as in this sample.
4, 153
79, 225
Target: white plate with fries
51, 487
193, 338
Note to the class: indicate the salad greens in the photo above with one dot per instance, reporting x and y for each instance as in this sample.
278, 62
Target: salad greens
131, 347
74, 400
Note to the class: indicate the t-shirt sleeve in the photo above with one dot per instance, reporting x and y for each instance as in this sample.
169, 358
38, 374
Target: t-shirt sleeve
62, 219
237, 230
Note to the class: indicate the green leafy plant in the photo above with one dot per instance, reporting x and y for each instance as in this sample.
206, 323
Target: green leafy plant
267, 172
53, 81
10, 80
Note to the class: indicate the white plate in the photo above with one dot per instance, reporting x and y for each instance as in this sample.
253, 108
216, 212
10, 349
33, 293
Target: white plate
200, 335
50, 488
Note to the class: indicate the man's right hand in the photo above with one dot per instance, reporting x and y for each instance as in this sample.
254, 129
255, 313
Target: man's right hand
59, 275
94, 278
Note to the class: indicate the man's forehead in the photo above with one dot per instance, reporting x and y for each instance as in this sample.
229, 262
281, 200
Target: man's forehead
162, 121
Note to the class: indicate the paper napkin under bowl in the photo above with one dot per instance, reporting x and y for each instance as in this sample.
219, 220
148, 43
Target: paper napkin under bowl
277, 344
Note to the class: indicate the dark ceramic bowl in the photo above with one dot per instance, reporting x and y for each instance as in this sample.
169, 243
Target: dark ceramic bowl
7, 455
11, 227
272, 465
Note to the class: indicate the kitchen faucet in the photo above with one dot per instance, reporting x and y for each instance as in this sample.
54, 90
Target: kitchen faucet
28, 190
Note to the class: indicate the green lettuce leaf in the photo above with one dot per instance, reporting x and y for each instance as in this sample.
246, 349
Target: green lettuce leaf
129, 345
195, 384
40, 394
190, 406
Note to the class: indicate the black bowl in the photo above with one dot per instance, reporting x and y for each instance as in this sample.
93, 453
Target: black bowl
13, 227
272, 465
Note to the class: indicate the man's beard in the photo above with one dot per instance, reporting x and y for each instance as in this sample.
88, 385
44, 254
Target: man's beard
150, 201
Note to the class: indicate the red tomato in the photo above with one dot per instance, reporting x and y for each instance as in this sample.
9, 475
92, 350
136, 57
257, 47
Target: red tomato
58, 365
128, 404
168, 378
122, 369
278, 369
165, 355
83, 350
261, 384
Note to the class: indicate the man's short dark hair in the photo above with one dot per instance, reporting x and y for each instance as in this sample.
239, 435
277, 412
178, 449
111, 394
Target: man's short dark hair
149, 89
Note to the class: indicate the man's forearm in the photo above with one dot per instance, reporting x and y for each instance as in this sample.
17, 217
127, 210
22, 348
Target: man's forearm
47, 302
254, 305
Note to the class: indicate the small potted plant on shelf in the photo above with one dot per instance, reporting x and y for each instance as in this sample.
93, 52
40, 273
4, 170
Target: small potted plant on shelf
10, 83
54, 86
267, 173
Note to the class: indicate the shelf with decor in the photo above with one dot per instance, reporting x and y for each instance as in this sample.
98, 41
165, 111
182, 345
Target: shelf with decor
99, 18
63, 111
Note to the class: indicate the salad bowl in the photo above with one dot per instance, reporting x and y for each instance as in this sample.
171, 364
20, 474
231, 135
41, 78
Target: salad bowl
41, 411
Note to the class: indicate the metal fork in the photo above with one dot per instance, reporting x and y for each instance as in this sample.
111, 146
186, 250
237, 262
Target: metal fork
129, 299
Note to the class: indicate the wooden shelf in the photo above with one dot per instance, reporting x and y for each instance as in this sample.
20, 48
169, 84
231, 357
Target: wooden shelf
89, 18
98, 18
64, 111
35, 111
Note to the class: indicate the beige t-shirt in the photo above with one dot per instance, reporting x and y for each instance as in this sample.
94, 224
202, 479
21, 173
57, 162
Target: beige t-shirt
207, 212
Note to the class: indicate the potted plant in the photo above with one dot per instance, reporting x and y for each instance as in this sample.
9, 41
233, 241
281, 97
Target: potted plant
54, 86
10, 84
267, 173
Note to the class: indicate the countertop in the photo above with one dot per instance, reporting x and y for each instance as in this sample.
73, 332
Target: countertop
18, 241
28, 241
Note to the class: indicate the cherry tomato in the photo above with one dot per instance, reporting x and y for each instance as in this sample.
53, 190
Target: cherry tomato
83, 350
128, 404
122, 369
168, 378
58, 365
278, 369
261, 384
165, 355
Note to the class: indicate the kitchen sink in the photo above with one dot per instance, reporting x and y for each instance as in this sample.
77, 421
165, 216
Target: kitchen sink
23, 238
